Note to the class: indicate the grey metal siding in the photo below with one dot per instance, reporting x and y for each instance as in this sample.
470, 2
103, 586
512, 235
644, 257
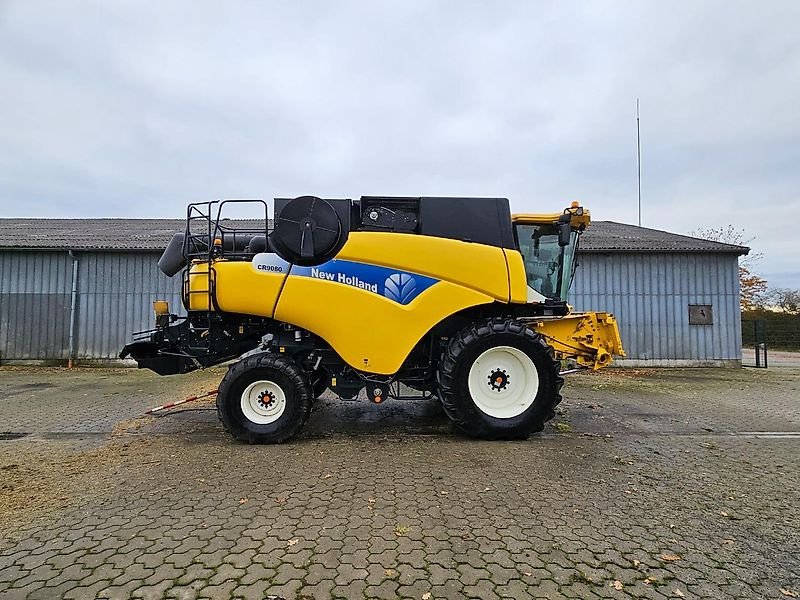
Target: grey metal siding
650, 294
115, 295
34, 305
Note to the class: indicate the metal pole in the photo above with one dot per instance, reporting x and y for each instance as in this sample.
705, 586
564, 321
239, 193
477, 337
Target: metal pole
72, 309
639, 162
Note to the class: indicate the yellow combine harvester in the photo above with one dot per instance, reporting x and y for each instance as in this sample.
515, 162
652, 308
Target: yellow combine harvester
449, 297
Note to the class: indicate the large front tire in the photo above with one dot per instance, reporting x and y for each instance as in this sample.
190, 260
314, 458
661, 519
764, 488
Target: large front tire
499, 380
264, 399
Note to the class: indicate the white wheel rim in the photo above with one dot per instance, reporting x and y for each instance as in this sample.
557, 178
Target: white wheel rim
503, 382
263, 402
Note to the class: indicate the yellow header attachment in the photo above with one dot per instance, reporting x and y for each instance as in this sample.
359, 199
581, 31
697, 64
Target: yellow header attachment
579, 217
589, 338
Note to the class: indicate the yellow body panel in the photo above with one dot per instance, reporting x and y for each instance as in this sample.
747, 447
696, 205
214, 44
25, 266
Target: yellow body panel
517, 278
369, 332
476, 266
195, 288
238, 286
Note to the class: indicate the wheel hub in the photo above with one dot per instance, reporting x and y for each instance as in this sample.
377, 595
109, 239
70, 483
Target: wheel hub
499, 380
266, 399
263, 402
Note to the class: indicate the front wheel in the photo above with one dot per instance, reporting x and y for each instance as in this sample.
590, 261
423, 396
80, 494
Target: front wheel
499, 380
263, 399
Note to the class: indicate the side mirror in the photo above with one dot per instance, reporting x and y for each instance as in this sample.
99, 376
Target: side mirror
564, 231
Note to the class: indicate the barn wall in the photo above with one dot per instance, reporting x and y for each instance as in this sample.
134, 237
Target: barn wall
35, 292
650, 295
115, 295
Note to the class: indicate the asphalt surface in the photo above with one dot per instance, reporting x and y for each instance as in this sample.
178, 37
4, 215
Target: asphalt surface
651, 484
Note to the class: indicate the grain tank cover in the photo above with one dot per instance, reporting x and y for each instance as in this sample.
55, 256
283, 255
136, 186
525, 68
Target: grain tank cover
309, 230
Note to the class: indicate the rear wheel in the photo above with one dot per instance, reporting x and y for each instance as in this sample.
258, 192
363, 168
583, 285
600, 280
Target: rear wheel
499, 380
263, 399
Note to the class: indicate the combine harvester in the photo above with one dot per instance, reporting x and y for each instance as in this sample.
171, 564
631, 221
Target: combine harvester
449, 297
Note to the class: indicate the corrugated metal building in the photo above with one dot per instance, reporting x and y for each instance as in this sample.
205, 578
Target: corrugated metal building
113, 265
676, 297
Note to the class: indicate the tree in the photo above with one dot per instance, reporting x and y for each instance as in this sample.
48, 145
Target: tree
753, 290
788, 301
753, 287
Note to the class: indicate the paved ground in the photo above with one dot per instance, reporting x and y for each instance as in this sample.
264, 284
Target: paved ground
775, 358
653, 484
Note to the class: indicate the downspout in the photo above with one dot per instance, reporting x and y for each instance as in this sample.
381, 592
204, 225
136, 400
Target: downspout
72, 309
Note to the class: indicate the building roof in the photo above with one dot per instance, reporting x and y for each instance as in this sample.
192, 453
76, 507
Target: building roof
154, 234
95, 234
609, 236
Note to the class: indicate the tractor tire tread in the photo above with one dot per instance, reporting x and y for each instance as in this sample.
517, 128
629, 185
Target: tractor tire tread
257, 361
472, 334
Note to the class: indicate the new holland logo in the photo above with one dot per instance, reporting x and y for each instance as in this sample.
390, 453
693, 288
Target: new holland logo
400, 287
396, 286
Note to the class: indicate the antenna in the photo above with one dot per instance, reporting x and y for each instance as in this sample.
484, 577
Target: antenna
639, 161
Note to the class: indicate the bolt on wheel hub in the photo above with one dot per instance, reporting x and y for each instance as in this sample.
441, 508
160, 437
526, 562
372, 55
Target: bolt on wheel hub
266, 399
499, 380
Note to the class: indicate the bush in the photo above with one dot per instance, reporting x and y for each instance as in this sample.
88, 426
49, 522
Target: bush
780, 330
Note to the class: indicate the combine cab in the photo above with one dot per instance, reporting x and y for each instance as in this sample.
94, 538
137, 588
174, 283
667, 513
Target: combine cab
448, 297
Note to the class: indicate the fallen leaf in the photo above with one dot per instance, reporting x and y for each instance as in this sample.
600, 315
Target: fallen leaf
678, 593
327, 476
426, 596
201, 480
616, 584
292, 542
790, 593
636, 563
281, 500
723, 513
728, 542
527, 574
670, 557
443, 493
371, 500
390, 573
401, 530
243, 500
647, 581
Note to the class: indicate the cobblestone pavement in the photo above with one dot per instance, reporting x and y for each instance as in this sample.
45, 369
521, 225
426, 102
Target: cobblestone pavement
651, 484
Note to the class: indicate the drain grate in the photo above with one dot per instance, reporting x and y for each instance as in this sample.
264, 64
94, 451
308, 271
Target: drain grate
11, 435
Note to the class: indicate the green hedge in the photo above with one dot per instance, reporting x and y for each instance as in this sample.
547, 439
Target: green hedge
782, 331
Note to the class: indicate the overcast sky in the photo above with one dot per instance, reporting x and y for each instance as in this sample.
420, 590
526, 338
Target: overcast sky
133, 109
